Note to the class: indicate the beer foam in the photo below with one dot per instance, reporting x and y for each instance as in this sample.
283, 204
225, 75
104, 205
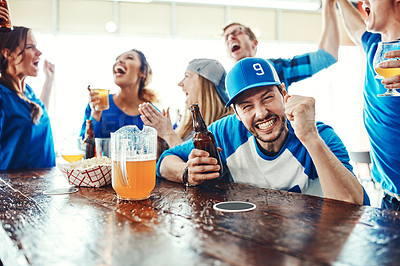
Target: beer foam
87, 163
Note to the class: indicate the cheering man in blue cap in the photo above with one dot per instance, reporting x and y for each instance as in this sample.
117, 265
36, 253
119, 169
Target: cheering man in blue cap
272, 141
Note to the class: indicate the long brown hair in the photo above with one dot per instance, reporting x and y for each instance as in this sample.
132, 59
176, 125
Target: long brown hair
12, 40
211, 107
145, 94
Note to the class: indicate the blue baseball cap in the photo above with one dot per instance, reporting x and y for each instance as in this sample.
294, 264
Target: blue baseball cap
213, 71
249, 73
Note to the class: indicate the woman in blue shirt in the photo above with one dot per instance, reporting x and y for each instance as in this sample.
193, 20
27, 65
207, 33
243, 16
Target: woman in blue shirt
26, 139
132, 73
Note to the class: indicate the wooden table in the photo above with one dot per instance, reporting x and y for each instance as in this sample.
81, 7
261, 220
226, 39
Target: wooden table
178, 226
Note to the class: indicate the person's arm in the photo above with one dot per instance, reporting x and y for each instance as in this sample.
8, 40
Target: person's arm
200, 167
336, 180
48, 69
173, 162
330, 36
161, 122
353, 21
392, 82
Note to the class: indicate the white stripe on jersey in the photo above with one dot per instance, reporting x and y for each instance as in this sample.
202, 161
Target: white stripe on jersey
284, 172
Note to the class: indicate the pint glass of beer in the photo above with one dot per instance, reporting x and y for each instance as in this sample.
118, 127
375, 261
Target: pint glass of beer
103, 103
133, 155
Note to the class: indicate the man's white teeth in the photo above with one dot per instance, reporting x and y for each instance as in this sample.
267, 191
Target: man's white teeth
266, 125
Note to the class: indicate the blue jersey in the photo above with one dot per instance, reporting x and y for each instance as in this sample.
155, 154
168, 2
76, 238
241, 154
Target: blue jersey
382, 122
301, 66
292, 169
22, 143
111, 120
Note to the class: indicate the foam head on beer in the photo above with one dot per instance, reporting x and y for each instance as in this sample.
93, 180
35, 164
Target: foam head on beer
249, 73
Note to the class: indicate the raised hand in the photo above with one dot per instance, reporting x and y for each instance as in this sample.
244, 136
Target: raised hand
161, 122
300, 110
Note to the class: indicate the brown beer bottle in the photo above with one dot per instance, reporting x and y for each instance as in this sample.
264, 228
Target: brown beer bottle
5, 24
89, 140
203, 139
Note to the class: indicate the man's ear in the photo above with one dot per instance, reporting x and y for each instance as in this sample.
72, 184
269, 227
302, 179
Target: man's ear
255, 43
284, 91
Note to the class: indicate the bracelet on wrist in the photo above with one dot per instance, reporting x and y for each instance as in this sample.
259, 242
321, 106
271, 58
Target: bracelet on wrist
185, 180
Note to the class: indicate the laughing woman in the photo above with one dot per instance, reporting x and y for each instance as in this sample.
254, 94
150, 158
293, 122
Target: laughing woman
132, 73
26, 140
204, 84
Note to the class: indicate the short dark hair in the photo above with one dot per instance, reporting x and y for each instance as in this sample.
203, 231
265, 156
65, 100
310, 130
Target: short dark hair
247, 30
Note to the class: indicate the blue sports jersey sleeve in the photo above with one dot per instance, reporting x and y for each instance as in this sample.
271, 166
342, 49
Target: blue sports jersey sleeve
182, 151
337, 147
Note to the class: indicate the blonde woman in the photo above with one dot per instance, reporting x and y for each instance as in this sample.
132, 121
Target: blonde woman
204, 83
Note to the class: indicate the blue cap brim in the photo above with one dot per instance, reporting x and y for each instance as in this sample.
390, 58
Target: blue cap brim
255, 85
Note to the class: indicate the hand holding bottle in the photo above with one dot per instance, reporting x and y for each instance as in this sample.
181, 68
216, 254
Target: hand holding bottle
201, 167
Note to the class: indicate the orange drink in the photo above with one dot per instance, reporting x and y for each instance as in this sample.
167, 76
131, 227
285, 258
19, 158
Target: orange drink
104, 103
387, 72
72, 157
140, 179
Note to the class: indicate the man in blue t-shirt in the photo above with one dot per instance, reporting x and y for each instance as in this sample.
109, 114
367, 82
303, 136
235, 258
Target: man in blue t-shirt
272, 141
381, 114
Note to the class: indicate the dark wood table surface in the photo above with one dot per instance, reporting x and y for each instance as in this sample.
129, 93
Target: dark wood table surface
178, 226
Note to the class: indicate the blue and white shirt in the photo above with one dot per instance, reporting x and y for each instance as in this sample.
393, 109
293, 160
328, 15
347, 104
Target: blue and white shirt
292, 169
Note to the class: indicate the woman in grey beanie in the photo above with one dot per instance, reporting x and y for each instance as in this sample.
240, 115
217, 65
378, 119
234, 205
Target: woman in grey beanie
204, 84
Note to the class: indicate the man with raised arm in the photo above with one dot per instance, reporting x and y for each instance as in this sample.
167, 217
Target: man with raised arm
381, 114
241, 42
272, 141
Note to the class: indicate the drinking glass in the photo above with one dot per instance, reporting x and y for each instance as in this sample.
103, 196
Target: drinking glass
103, 100
381, 73
72, 149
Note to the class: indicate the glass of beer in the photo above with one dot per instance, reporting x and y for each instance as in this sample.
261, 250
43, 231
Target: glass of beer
381, 73
103, 99
133, 155
71, 149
